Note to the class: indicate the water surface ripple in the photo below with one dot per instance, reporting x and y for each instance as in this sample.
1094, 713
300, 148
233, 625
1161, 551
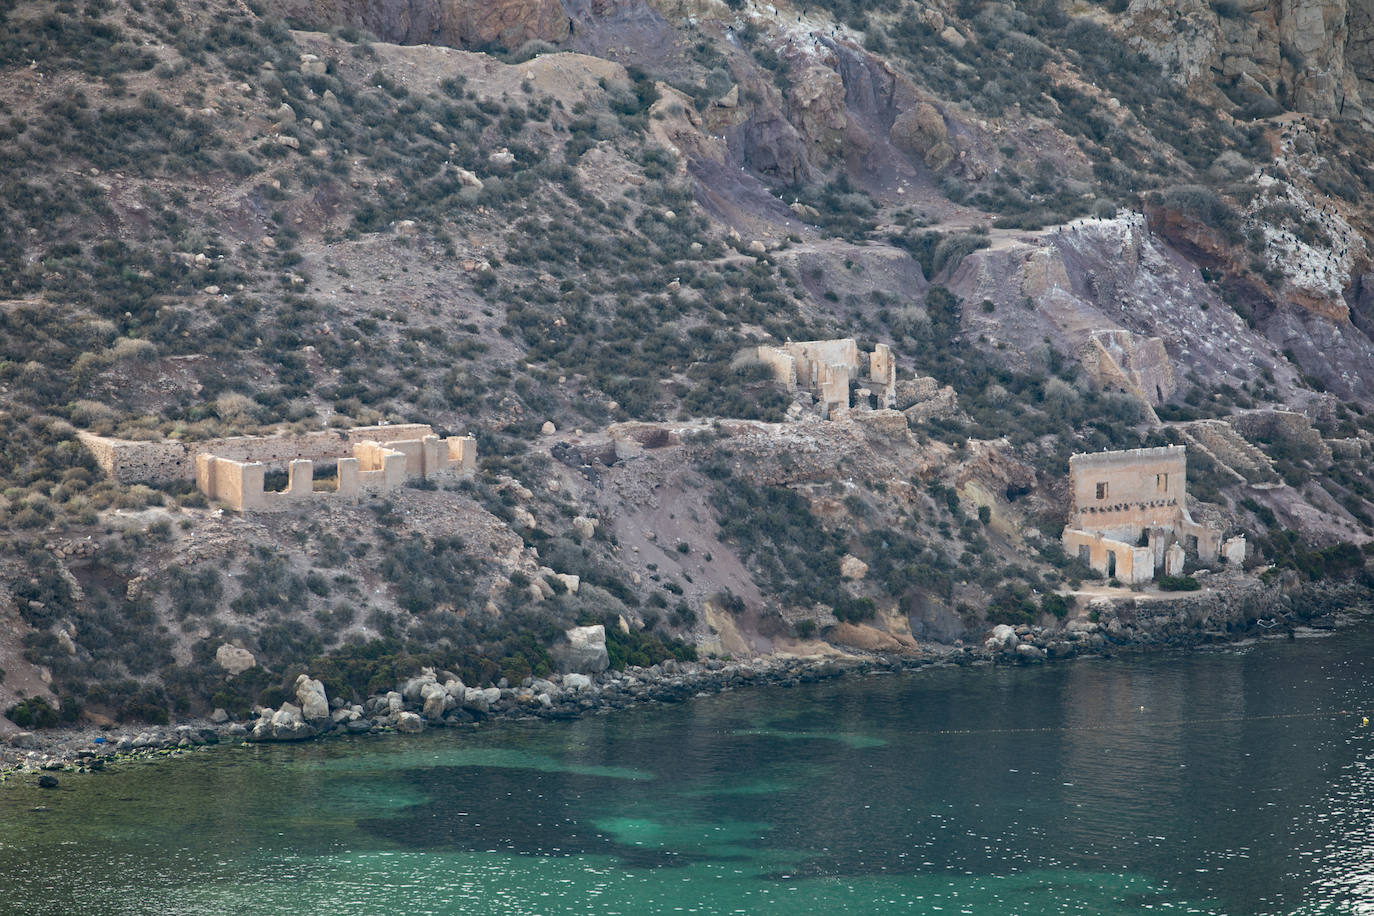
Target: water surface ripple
1235, 781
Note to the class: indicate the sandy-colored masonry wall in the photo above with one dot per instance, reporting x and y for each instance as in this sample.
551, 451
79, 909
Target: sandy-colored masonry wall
1126, 562
318, 446
232, 471
167, 460
813, 355
826, 368
128, 461
782, 363
1119, 494
882, 369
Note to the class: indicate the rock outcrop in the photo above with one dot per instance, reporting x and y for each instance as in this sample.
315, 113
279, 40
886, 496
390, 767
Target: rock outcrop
233, 659
584, 651
311, 697
285, 724
1314, 57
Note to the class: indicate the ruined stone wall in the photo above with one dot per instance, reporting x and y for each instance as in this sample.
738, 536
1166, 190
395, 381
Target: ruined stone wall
372, 468
1119, 494
826, 368
782, 363
321, 445
1111, 557
812, 356
1283, 426
833, 388
882, 369
128, 461
237, 484
922, 398
232, 471
168, 460
1118, 360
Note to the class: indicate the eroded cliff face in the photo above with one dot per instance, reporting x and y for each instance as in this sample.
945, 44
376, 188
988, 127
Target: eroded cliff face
1313, 57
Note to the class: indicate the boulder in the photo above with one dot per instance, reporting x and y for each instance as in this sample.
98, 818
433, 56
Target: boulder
851, 567
476, 700
576, 682
467, 179
570, 582
413, 689
585, 527
219, 716
583, 651
1029, 652
233, 659
311, 696
409, 723
434, 700
288, 724
47, 781
1003, 639
1080, 625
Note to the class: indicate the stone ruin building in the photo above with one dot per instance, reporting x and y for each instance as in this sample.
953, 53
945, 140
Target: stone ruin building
826, 367
1129, 515
335, 463
1131, 364
829, 369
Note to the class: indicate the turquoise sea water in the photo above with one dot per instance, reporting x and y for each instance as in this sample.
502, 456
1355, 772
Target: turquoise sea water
1226, 781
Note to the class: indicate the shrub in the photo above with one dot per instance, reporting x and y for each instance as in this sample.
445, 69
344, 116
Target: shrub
1178, 584
34, 712
1058, 605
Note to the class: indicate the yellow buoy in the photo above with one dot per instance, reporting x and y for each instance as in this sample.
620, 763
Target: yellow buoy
1364, 722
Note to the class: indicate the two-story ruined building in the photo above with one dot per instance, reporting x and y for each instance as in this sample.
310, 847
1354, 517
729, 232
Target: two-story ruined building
1129, 515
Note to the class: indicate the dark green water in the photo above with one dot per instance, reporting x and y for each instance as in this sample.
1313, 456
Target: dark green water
1233, 781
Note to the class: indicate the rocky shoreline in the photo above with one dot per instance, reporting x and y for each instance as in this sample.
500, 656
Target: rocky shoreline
440, 700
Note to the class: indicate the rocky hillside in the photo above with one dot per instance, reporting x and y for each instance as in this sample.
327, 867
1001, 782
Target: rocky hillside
564, 227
